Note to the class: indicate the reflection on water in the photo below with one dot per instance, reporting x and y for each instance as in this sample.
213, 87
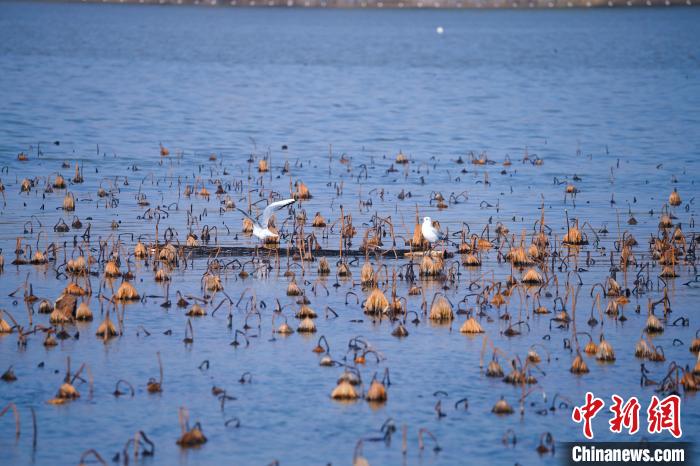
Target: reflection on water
608, 96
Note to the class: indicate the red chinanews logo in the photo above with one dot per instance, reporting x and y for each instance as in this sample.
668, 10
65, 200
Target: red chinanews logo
662, 415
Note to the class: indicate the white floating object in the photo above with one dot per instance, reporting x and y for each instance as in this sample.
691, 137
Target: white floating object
439, 30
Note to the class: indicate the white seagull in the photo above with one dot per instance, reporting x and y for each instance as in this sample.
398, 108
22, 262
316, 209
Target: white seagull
261, 230
430, 233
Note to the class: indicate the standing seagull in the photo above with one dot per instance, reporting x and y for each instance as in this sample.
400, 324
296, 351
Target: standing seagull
261, 230
430, 233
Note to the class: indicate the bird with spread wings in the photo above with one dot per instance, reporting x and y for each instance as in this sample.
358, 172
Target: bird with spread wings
261, 230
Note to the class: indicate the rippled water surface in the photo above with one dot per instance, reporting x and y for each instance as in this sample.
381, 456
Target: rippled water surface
609, 96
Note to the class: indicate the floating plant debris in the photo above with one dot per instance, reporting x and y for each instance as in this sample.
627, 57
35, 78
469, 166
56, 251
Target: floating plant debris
8, 375
306, 326
441, 309
471, 326
191, 437
83, 312
502, 407
344, 391
238, 250
376, 392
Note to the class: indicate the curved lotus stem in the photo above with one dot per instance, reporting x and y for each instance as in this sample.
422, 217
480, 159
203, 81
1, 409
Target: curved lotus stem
235, 338
684, 322
142, 437
510, 330
257, 313
602, 287
440, 293
403, 302
90, 377
118, 392
463, 401
220, 304
329, 309
189, 332
386, 273
485, 341
596, 302
357, 453
322, 339
15, 411
415, 321
38, 238
509, 437
533, 390
319, 283
235, 421
546, 443
562, 405
544, 348
351, 293
373, 351
421, 445
88, 453
274, 317
559, 299
575, 273
438, 409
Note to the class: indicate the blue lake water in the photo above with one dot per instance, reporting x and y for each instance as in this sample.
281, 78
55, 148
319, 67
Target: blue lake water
612, 96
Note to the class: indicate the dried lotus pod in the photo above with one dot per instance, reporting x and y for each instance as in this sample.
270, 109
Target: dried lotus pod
193, 437
306, 326
377, 392
376, 302
502, 407
441, 310
471, 326
83, 313
344, 391
674, 198
126, 292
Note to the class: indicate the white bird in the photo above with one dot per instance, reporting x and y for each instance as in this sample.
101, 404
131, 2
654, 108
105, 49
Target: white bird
430, 233
261, 230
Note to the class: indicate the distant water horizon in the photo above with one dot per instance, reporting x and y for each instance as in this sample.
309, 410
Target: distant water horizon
403, 4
